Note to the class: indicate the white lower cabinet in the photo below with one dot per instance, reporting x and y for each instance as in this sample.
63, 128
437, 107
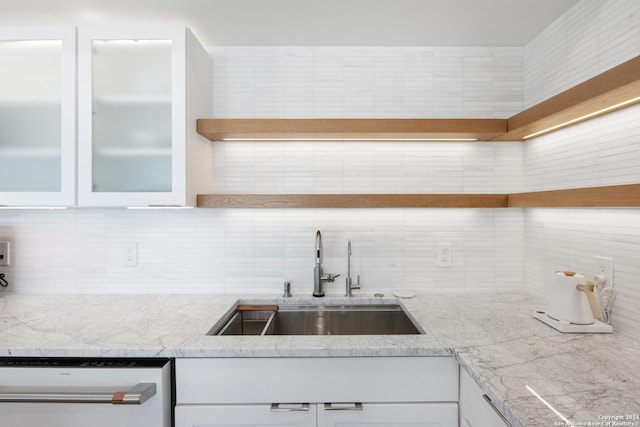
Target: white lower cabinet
476, 409
323, 392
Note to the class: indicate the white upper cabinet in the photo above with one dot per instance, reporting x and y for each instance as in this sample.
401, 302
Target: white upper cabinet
140, 92
37, 116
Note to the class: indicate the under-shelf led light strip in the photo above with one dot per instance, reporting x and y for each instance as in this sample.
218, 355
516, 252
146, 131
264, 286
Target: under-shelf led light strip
48, 208
355, 139
581, 118
159, 207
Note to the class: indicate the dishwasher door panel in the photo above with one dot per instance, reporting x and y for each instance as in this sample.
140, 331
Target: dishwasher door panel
40, 396
76, 415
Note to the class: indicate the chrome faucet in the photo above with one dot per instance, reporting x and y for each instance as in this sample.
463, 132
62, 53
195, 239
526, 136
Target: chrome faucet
318, 277
349, 283
286, 293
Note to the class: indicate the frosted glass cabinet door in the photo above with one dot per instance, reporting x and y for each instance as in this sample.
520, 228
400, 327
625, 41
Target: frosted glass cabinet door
37, 116
132, 117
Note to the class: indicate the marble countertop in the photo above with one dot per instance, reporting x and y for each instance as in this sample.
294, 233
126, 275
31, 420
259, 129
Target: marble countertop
535, 375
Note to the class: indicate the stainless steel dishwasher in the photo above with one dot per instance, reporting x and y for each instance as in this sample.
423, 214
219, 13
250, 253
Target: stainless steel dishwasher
70, 392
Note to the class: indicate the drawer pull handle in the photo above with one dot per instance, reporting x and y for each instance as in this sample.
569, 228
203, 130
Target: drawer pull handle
502, 417
289, 407
134, 396
356, 406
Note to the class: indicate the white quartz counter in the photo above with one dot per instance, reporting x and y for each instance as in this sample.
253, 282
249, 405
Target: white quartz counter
535, 375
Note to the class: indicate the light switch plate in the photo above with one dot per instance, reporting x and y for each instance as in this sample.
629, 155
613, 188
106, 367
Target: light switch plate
4, 253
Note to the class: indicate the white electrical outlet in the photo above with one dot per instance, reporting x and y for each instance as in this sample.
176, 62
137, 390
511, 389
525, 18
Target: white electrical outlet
604, 267
444, 257
4, 253
131, 254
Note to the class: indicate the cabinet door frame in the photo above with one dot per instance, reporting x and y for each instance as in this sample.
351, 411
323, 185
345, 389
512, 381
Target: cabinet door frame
67, 194
475, 411
177, 195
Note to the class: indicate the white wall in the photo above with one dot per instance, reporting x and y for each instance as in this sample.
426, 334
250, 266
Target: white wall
239, 250
593, 36
256, 250
365, 82
604, 151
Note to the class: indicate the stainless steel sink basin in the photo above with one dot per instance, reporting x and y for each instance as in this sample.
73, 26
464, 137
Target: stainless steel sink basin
293, 319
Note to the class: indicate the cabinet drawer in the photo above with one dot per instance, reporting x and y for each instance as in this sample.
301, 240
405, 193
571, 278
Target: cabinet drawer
348, 379
392, 415
243, 416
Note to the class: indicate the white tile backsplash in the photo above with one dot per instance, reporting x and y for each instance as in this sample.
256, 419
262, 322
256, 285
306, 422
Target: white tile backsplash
366, 82
590, 38
256, 250
601, 151
569, 239
367, 167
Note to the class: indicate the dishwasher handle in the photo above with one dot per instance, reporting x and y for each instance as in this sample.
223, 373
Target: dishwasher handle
137, 395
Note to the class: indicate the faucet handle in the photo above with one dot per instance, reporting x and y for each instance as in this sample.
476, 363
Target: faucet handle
330, 277
357, 284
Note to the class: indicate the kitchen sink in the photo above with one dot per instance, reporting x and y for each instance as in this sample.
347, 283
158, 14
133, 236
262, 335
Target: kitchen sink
329, 319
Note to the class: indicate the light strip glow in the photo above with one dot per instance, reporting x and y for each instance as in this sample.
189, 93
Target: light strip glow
581, 118
158, 207
548, 405
49, 208
31, 43
352, 139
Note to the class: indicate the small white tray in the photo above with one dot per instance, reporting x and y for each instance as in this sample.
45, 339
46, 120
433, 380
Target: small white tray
596, 327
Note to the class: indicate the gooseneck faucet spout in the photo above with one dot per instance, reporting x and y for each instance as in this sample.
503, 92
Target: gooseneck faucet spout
318, 277
317, 271
318, 248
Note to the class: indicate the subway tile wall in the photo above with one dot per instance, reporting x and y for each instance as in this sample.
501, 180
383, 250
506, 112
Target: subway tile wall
235, 250
569, 239
396, 247
340, 167
246, 250
603, 151
366, 82
591, 37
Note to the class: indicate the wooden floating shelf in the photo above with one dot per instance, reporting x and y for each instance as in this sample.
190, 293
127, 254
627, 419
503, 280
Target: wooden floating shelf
613, 196
350, 129
352, 200
610, 196
612, 90
616, 88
